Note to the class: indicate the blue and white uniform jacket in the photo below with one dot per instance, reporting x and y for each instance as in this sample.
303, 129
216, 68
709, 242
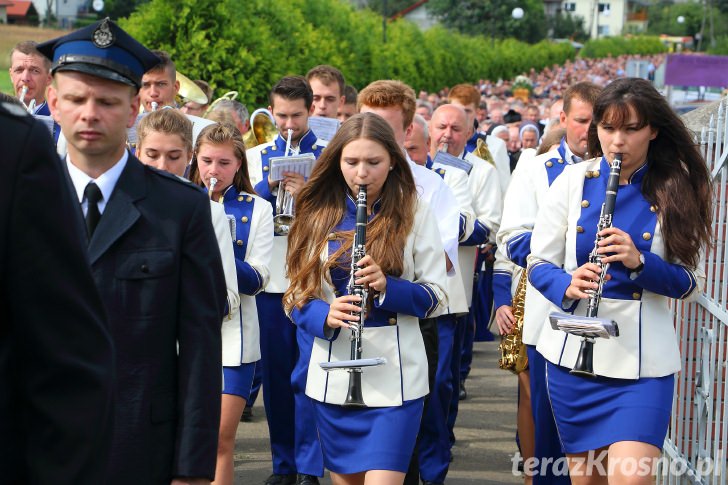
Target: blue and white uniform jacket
222, 232
258, 168
530, 182
562, 240
487, 201
252, 245
391, 329
457, 180
443, 204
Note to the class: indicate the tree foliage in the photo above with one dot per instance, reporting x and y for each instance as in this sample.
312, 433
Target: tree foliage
392, 6
492, 18
247, 46
116, 9
567, 26
617, 46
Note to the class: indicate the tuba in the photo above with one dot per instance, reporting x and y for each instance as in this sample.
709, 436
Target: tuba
513, 351
230, 96
262, 128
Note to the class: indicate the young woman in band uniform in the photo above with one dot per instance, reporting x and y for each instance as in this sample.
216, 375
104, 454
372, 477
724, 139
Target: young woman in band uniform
404, 270
661, 227
220, 154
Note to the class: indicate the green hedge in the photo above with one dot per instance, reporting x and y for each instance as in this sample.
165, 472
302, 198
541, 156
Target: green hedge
247, 46
616, 46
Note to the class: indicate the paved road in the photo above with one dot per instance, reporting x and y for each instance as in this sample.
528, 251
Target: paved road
485, 430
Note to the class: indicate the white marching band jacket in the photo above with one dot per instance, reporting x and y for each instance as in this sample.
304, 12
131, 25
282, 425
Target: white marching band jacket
457, 180
487, 203
527, 190
639, 302
241, 332
399, 340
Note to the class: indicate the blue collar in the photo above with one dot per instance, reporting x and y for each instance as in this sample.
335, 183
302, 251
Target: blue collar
562, 150
634, 179
230, 193
351, 205
306, 143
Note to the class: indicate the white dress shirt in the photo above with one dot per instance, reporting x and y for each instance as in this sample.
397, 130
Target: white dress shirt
106, 181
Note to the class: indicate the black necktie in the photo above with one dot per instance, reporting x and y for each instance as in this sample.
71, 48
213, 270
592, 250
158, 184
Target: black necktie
92, 193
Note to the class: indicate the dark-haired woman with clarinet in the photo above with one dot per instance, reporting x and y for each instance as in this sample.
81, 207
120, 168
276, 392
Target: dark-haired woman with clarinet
403, 273
650, 249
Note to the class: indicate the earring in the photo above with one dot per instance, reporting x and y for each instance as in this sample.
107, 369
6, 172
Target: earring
391, 167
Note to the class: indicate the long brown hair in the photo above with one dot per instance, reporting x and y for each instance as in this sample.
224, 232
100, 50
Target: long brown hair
219, 134
677, 180
321, 205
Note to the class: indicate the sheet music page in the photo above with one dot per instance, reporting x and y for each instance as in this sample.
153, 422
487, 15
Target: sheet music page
345, 364
323, 128
131, 133
301, 164
198, 124
231, 223
444, 158
585, 326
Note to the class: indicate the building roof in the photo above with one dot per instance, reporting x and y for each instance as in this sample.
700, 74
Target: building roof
6, 3
19, 8
407, 10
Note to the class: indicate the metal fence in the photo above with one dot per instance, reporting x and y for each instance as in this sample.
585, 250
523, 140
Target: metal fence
696, 446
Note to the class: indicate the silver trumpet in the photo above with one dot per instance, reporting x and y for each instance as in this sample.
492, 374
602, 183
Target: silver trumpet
30, 107
213, 183
284, 202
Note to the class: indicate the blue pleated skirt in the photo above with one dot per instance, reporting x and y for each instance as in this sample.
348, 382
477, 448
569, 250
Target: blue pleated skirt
238, 380
594, 413
358, 440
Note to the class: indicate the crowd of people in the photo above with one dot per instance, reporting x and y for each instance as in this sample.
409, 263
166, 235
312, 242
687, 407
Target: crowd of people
343, 252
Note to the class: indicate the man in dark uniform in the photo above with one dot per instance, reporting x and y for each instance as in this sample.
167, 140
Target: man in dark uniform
56, 355
154, 257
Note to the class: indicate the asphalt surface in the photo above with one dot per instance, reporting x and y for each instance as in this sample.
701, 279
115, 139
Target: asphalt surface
485, 430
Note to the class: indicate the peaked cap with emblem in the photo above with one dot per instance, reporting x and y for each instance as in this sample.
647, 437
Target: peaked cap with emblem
102, 49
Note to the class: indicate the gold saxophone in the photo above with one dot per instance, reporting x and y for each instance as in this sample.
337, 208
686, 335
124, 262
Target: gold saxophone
513, 351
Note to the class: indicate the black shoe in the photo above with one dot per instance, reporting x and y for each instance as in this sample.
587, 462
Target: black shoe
247, 415
307, 479
463, 393
276, 479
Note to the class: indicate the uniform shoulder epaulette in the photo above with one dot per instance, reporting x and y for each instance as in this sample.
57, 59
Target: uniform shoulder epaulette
13, 110
176, 178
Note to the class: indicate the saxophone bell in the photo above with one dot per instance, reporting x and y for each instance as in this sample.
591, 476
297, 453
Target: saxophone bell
513, 351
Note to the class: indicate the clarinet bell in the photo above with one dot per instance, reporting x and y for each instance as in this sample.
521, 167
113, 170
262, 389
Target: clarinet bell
584, 366
354, 398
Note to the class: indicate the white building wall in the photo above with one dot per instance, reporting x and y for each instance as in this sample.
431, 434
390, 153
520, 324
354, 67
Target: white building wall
609, 22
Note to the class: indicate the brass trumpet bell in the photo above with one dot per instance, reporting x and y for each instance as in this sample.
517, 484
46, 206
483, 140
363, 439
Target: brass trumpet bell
262, 128
190, 91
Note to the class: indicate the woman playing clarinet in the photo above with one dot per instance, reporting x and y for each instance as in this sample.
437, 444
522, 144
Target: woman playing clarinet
403, 273
650, 247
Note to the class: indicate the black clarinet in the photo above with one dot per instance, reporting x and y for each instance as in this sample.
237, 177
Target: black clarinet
584, 362
354, 395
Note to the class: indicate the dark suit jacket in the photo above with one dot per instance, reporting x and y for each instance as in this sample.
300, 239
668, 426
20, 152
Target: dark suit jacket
156, 262
56, 355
